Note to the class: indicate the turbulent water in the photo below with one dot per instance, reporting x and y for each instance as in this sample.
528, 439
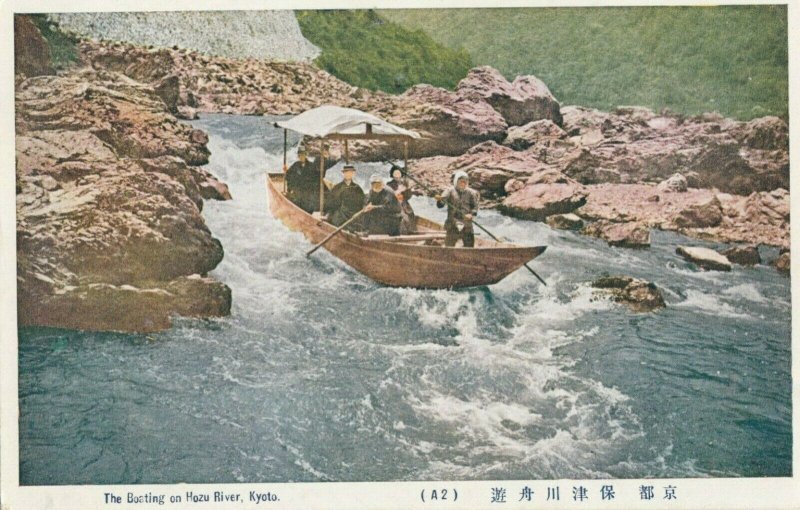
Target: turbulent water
321, 374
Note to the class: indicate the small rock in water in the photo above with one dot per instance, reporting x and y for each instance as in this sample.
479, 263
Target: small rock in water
565, 221
639, 295
783, 262
705, 258
626, 235
743, 255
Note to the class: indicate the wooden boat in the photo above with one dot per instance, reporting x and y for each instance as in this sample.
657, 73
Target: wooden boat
419, 261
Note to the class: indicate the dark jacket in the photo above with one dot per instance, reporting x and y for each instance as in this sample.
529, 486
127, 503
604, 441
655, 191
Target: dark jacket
302, 183
343, 202
385, 220
459, 203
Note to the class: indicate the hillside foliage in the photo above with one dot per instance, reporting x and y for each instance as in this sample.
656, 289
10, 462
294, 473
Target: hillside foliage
731, 59
364, 49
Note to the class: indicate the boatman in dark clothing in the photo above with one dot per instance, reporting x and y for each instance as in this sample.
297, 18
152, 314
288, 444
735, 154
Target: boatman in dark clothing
345, 199
302, 180
402, 191
462, 205
383, 213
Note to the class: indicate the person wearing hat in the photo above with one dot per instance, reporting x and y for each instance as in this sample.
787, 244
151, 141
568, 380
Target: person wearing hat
345, 199
302, 180
383, 213
462, 204
402, 191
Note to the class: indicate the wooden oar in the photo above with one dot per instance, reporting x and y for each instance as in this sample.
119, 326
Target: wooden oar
356, 215
430, 190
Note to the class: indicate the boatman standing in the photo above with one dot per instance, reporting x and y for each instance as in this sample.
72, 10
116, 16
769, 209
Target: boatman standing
462, 205
345, 199
302, 180
383, 213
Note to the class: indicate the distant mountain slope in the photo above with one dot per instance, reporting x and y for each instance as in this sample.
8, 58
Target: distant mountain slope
236, 34
364, 49
732, 59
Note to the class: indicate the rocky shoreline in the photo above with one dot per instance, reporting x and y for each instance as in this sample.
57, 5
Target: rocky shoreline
110, 184
109, 193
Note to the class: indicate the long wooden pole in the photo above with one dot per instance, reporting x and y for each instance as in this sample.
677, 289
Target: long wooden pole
352, 218
429, 190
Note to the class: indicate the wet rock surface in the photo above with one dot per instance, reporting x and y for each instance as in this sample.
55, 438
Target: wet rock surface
743, 255
639, 295
626, 235
704, 257
109, 230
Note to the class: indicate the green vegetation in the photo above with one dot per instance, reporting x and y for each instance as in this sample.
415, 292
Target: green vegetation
364, 49
63, 47
732, 59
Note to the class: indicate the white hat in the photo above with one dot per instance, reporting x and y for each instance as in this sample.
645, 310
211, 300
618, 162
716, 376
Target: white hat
459, 175
375, 178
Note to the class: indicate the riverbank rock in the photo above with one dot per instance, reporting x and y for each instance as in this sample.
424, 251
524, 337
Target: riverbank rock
565, 221
525, 100
743, 255
625, 235
522, 137
706, 214
543, 195
108, 207
705, 258
31, 51
639, 295
676, 184
783, 263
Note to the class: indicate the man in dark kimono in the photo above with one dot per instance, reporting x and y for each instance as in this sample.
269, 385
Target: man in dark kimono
383, 213
303, 181
462, 204
345, 199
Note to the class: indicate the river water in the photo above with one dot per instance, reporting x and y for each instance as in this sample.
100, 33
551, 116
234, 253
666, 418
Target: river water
320, 374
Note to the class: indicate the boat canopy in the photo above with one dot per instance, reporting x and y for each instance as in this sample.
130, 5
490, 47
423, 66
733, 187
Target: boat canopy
335, 122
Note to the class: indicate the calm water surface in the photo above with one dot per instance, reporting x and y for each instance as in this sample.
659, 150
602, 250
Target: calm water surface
320, 374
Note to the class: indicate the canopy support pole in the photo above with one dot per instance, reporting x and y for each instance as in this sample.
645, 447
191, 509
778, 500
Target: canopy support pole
321, 176
346, 152
405, 155
285, 168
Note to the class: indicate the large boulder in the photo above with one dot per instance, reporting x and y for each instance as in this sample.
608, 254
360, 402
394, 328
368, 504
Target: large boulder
109, 229
639, 295
31, 51
543, 195
767, 133
522, 137
525, 100
704, 257
706, 214
109, 307
676, 183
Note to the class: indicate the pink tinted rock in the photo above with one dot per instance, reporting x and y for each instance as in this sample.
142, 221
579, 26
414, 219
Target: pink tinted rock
626, 235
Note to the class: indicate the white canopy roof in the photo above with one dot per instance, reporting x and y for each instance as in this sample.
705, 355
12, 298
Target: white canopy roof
337, 122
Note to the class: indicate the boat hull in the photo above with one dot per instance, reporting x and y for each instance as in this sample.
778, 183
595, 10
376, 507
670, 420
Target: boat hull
404, 265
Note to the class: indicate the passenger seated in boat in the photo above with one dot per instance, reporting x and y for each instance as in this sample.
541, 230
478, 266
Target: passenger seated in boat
302, 180
345, 199
382, 216
462, 204
402, 191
